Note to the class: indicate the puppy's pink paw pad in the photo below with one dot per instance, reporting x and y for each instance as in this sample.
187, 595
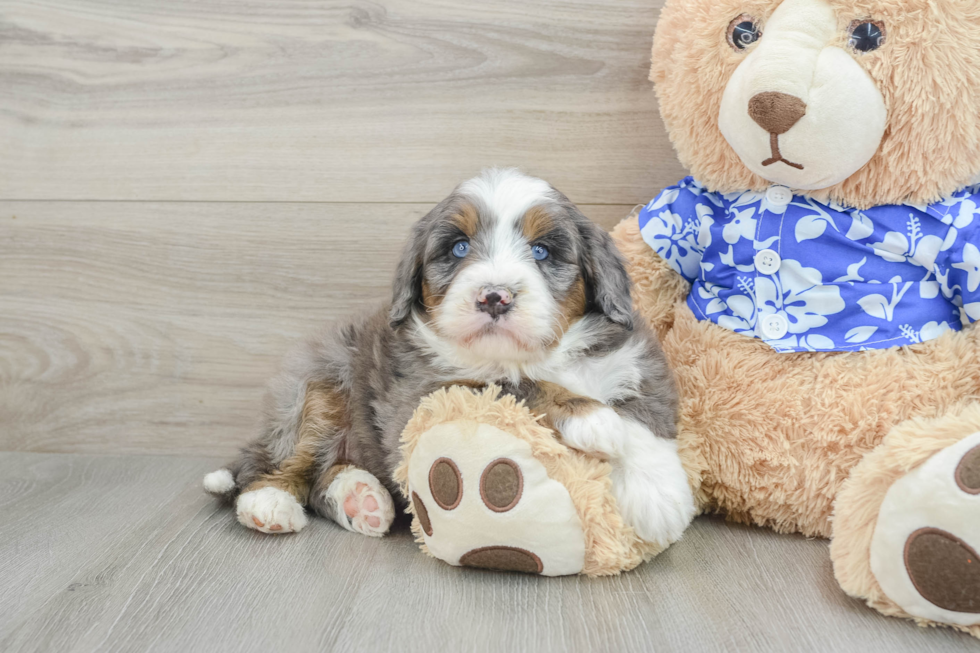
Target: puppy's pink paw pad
366, 503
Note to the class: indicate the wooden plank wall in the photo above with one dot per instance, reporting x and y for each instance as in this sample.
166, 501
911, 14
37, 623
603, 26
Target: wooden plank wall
188, 186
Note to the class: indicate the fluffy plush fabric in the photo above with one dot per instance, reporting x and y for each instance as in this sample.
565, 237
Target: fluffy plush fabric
906, 447
610, 546
785, 440
927, 76
772, 437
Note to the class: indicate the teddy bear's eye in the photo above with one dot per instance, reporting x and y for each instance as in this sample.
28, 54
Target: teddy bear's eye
866, 35
743, 32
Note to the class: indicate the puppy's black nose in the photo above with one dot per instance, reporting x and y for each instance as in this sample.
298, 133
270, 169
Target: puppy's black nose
494, 301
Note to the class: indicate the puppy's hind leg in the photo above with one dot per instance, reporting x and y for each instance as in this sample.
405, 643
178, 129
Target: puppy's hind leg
355, 499
273, 502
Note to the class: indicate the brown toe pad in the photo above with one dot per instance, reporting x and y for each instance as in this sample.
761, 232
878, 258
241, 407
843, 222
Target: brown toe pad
944, 569
968, 472
502, 558
422, 514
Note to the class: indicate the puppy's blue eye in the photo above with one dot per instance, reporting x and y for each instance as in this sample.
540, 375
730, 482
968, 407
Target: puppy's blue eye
461, 249
540, 252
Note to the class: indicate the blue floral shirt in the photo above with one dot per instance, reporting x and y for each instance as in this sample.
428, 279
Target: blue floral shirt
808, 276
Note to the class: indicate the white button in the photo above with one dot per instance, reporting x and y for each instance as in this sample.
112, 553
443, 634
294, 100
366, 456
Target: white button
774, 326
779, 195
767, 262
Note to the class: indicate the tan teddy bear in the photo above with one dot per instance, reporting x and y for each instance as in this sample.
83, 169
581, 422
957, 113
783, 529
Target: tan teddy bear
815, 282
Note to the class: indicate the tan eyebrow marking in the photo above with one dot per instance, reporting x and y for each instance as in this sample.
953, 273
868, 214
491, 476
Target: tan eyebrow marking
537, 222
467, 219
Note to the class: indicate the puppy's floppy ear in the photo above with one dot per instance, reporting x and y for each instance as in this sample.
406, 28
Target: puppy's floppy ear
604, 271
407, 287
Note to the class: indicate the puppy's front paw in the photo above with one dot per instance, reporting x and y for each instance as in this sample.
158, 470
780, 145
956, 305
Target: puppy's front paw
361, 503
652, 490
600, 431
659, 510
271, 510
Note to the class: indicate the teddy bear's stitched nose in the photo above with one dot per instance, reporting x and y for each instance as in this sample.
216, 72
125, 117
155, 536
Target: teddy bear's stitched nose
776, 112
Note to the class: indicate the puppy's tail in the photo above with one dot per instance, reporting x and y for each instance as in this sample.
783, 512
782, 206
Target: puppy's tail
220, 483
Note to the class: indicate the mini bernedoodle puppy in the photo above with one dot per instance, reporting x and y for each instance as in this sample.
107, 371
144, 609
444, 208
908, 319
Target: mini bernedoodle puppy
504, 282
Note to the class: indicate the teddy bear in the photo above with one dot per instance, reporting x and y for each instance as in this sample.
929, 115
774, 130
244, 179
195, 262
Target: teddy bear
815, 281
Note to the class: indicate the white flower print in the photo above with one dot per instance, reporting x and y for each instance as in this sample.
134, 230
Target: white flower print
962, 214
716, 304
932, 330
970, 265
852, 272
861, 226
833, 292
860, 334
706, 220
676, 242
743, 314
929, 331
741, 226
665, 198
879, 306
812, 342
799, 292
815, 224
911, 246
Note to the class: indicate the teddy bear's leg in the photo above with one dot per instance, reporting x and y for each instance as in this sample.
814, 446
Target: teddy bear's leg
907, 522
355, 499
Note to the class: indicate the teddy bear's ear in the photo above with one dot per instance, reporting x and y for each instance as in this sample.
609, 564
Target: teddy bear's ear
604, 271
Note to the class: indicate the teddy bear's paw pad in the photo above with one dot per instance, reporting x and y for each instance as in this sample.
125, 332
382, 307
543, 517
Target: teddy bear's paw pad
270, 510
483, 500
968, 471
944, 569
364, 505
422, 514
445, 483
501, 485
924, 548
502, 558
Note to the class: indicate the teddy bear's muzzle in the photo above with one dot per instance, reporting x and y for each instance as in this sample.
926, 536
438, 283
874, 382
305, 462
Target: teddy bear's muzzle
783, 109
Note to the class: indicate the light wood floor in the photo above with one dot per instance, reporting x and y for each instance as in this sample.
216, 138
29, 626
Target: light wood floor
186, 188
112, 553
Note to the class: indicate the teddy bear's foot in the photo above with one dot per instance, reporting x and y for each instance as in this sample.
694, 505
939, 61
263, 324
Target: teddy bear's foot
907, 522
360, 503
924, 548
483, 500
270, 510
